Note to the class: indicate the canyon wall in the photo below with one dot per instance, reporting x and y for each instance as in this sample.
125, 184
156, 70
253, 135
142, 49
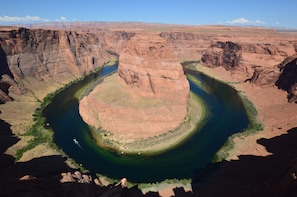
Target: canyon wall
51, 56
60, 55
263, 65
263, 57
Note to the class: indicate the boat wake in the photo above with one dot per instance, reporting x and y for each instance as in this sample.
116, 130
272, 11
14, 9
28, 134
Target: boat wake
77, 143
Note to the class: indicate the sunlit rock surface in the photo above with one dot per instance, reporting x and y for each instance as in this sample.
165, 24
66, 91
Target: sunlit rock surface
148, 96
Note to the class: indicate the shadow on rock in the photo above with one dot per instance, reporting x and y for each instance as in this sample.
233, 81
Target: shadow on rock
273, 175
7, 139
253, 175
44, 176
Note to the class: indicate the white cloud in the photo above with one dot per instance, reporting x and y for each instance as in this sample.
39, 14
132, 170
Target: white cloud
259, 22
244, 21
239, 21
25, 19
63, 18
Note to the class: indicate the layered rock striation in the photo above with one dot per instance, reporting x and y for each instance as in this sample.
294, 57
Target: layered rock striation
148, 96
149, 66
52, 56
263, 62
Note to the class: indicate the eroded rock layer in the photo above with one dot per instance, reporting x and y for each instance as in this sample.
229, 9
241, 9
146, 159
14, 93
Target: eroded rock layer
47, 56
149, 96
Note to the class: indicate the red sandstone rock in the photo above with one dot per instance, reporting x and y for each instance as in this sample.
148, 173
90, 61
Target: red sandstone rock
149, 98
51, 55
188, 46
148, 63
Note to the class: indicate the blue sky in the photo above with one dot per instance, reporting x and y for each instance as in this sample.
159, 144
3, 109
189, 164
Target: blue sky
279, 13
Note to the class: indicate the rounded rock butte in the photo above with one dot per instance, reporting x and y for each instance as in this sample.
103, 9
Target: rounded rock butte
147, 97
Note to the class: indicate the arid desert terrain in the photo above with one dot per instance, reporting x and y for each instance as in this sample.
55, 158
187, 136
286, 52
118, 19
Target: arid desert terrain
260, 63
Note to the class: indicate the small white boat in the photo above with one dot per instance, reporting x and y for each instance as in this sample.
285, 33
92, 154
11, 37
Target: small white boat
76, 142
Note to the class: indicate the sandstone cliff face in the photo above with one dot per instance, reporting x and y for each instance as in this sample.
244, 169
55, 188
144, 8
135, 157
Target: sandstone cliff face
187, 45
152, 67
225, 54
257, 61
271, 64
232, 55
149, 95
287, 79
57, 54
49, 55
239, 50
46, 53
114, 41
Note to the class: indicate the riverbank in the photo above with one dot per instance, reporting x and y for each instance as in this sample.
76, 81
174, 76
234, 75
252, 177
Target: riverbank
19, 114
197, 113
24, 116
274, 112
276, 122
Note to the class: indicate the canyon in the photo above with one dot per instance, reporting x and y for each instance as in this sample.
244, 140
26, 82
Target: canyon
261, 63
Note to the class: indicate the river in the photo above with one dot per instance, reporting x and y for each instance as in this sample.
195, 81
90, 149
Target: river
226, 116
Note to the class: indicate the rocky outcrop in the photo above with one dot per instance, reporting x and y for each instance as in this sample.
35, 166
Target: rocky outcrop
6, 83
263, 64
152, 67
282, 75
64, 54
264, 77
288, 69
66, 184
225, 54
52, 55
272, 55
287, 79
149, 96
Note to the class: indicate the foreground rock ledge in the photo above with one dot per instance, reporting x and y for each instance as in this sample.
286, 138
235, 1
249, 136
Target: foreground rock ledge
147, 97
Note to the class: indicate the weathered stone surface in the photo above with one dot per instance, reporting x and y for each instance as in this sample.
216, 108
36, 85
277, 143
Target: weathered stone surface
264, 77
265, 61
262, 49
149, 95
148, 64
225, 54
287, 79
53, 55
